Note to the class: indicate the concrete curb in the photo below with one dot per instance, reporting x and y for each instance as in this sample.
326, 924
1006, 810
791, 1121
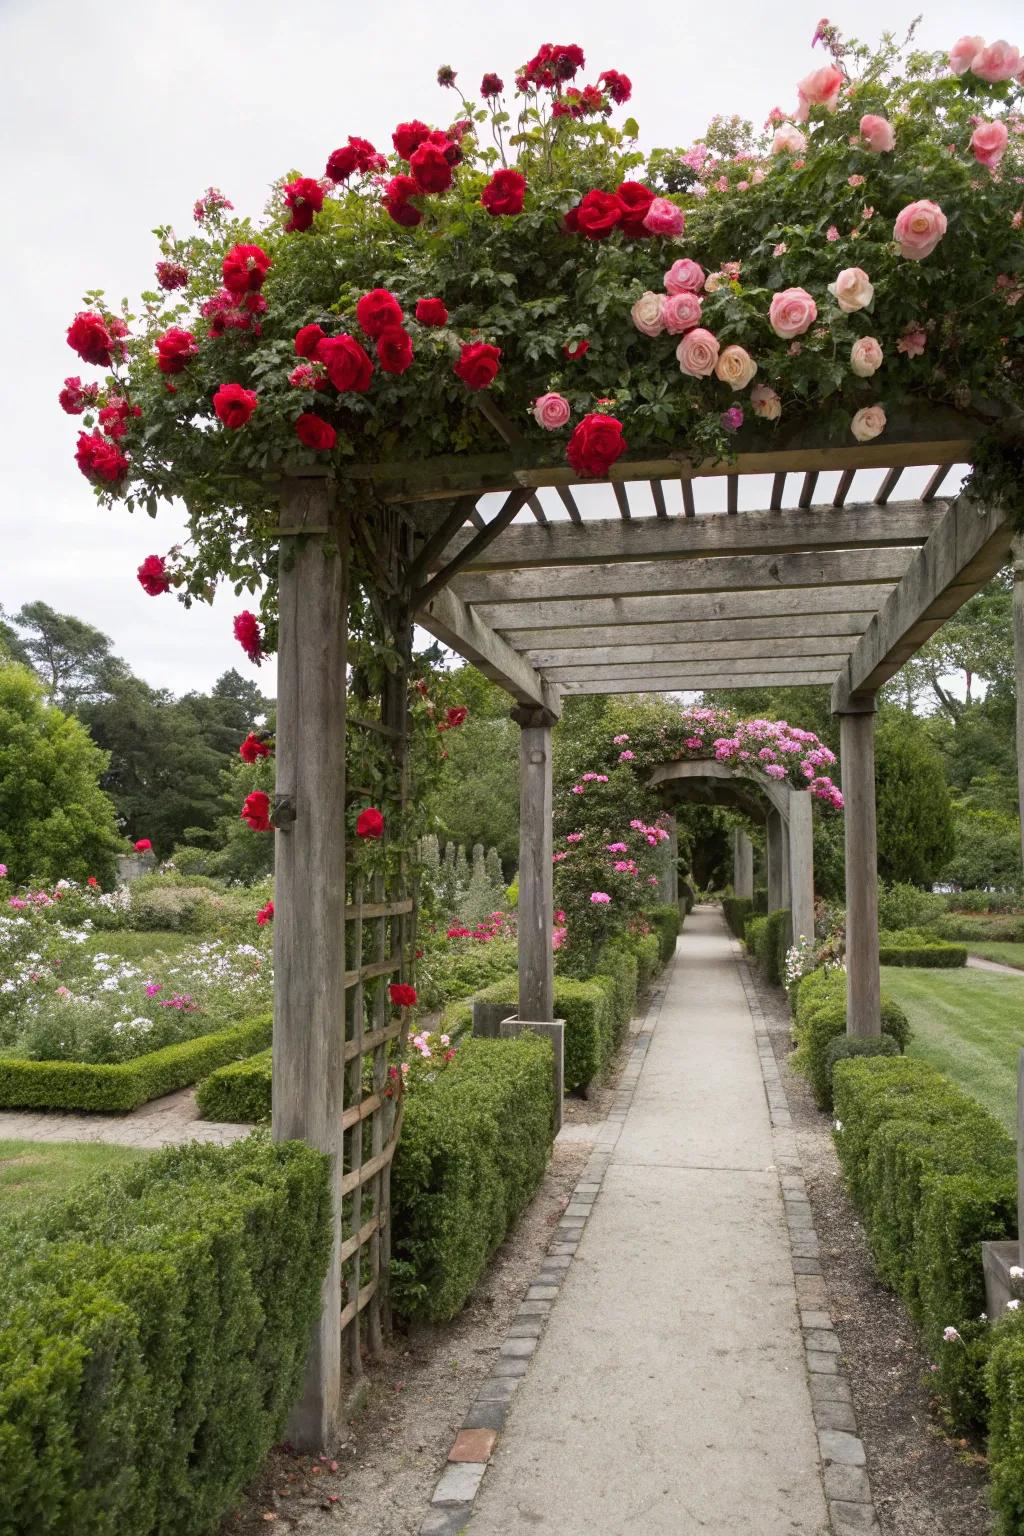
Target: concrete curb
844, 1463
451, 1503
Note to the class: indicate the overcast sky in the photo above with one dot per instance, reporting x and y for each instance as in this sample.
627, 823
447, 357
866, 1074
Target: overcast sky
114, 118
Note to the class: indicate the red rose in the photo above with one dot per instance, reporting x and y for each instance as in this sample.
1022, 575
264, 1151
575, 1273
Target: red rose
408, 137
348, 366
478, 364
396, 200
576, 350
454, 716
313, 432
303, 197
504, 193
491, 85
244, 268
308, 339
76, 396
153, 577
394, 349
115, 416
430, 168
370, 823
255, 811
90, 336
99, 460
636, 200
171, 275
174, 349
431, 312
567, 58
377, 310
449, 143
618, 86
265, 914
253, 748
247, 633
234, 405
95, 884
595, 445
357, 155
598, 214
143, 845
402, 995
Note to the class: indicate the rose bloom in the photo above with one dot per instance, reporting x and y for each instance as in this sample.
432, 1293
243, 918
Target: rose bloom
247, 633
244, 268
988, 143
171, 275
551, 411
307, 339
253, 748
348, 366
852, 290
234, 404
255, 811
918, 229
75, 396
303, 198
370, 823
680, 312
394, 349
788, 140
152, 576
174, 349
431, 312
697, 353
89, 336
868, 423
408, 137
866, 357
357, 155
478, 364
504, 194
912, 342
596, 443
598, 214
664, 218
396, 200
100, 460
999, 61
430, 168
820, 89
963, 53
877, 133
646, 314
635, 200
684, 276
377, 310
735, 367
765, 402
313, 432
792, 312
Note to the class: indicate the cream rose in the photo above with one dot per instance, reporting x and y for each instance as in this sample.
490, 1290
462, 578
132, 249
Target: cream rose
735, 367
765, 402
698, 353
551, 411
918, 229
792, 312
646, 314
852, 290
680, 312
788, 140
868, 423
866, 357
684, 276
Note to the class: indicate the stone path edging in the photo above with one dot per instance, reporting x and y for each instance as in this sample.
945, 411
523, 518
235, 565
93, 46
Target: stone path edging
457, 1488
844, 1471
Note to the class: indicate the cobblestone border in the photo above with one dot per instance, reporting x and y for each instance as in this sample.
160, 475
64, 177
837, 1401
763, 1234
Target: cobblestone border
451, 1504
844, 1464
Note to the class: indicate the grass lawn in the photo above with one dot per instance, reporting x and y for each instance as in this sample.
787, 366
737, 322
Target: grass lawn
1006, 954
136, 944
31, 1171
969, 1024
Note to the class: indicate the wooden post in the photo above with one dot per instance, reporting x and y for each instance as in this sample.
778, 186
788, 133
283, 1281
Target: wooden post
742, 864
536, 903
671, 893
778, 872
863, 980
801, 864
309, 890
1018, 648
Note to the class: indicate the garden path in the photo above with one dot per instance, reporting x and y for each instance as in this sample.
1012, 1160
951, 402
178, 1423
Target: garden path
669, 1393
163, 1122
978, 963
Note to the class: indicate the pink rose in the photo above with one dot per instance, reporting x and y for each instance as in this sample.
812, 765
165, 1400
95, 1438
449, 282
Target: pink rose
877, 134
852, 290
999, 61
735, 367
912, 342
820, 89
680, 312
664, 218
788, 140
868, 423
963, 53
684, 276
765, 402
988, 143
646, 314
918, 229
792, 312
698, 353
551, 411
865, 357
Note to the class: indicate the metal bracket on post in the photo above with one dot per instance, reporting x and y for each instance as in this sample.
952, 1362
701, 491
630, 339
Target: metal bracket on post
284, 813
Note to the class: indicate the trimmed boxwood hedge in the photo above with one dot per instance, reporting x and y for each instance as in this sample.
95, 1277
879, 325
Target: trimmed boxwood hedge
588, 1010
238, 1092
474, 1146
153, 1331
933, 1175
124, 1085
738, 910
767, 939
942, 956
665, 920
1004, 1381
820, 1017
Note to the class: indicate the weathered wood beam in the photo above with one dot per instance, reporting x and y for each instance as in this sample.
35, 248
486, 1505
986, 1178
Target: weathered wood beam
778, 491
689, 507
717, 651
712, 683
964, 552
732, 495
843, 488
887, 487
821, 626
706, 665
716, 533
450, 621
429, 554
610, 611
931, 489
569, 503
658, 497
622, 500
512, 505
725, 573
807, 489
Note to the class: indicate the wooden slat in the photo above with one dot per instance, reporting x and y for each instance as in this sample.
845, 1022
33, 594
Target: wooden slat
931, 489
887, 487
374, 1038
778, 491
843, 488
807, 489
352, 1308
685, 683
476, 517
361, 1111
372, 972
463, 510
536, 507
366, 1231
449, 620
372, 1165
678, 631
702, 667
689, 510
353, 1055
658, 497
569, 503
615, 611
717, 652
379, 909
732, 494
622, 499
510, 508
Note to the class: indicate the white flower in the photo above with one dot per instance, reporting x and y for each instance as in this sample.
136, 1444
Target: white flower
1012, 1306
951, 1335
1016, 1273
839, 1125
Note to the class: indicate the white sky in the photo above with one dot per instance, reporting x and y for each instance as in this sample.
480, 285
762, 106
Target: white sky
114, 118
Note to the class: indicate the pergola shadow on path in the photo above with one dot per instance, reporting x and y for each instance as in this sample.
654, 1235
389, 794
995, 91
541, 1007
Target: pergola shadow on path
550, 601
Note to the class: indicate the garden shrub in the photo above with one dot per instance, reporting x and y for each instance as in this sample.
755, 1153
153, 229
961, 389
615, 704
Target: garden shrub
905, 906
1004, 1381
239, 1092
475, 1142
588, 1010
448, 973
124, 1085
937, 956
986, 901
753, 935
666, 924
153, 1331
958, 929
760, 900
648, 960
820, 1016
737, 909
932, 1175
844, 1048
767, 939
619, 969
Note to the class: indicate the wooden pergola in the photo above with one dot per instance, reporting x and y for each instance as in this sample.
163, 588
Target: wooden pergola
626, 586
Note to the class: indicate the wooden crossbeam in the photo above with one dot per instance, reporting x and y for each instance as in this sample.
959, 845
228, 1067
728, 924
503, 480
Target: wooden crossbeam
689, 509
887, 487
434, 547
536, 507
843, 488
932, 488
732, 494
778, 491
622, 499
716, 682
512, 504
450, 621
784, 647
654, 671
818, 626
658, 497
807, 489
612, 611
569, 503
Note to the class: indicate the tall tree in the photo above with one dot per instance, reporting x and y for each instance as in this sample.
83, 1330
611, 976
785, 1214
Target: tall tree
74, 661
915, 813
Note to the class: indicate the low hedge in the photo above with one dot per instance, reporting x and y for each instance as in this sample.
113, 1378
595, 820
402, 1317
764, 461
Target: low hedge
124, 1085
1004, 1381
767, 939
588, 1008
153, 1331
665, 921
940, 956
738, 911
820, 1016
846, 1047
474, 1146
239, 1092
933, 1175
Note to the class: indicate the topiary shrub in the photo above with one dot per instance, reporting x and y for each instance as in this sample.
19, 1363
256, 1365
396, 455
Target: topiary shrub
753, 935
932, 956
153, 1331
1004, 1383
588, 1010
239, 1092
619, 970
737, 909
666, 923
821, 1016
847, 1047
767, 938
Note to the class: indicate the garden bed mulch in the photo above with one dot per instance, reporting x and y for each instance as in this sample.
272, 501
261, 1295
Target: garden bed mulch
923, 1482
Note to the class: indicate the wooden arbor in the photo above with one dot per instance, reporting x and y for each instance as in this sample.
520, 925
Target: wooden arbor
551, 595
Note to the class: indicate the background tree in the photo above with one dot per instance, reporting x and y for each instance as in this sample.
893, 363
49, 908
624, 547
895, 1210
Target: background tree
915, 813
74, 661
477, 800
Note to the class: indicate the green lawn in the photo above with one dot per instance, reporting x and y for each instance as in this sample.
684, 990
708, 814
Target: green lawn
135, 945
31, 1171
969, 1024
1006, 954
